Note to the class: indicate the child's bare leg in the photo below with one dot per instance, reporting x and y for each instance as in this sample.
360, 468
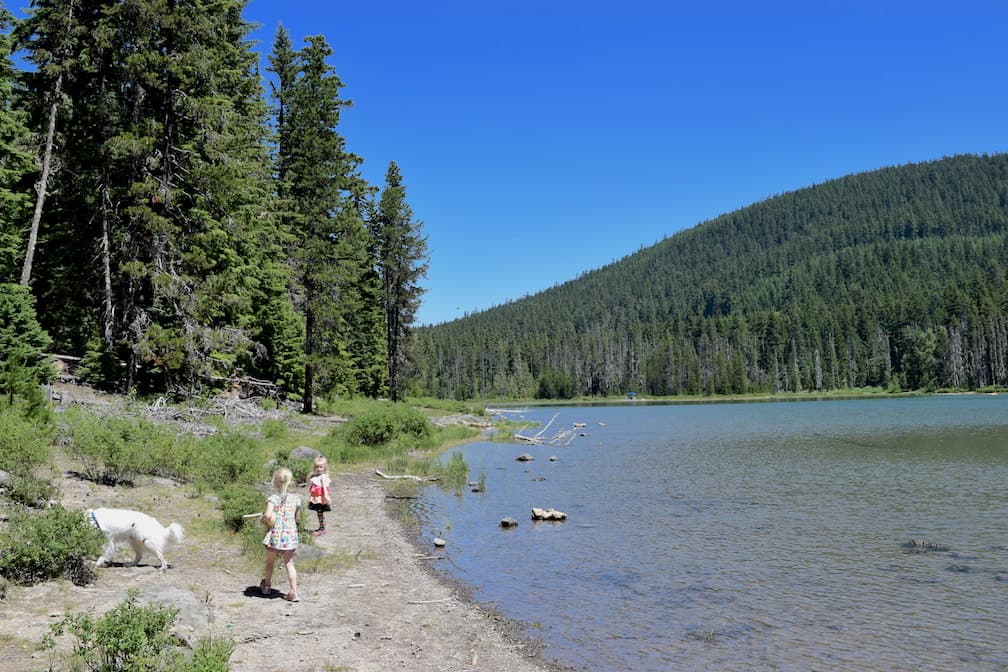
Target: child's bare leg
291, 571
268, 570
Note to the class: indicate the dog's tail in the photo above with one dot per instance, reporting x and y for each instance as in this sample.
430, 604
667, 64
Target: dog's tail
176, 533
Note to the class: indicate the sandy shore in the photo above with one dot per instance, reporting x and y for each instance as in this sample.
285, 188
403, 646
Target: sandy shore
376, 606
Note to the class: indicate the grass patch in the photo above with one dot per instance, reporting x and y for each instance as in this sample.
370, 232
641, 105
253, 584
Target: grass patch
333, 561
234, 463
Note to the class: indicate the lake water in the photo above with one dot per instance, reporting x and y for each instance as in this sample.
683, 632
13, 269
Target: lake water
750, 536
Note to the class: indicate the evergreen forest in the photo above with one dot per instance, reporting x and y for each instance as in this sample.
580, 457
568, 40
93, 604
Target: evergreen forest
893, 279
179, 220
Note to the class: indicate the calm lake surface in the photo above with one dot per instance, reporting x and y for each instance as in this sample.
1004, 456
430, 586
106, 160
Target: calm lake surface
749, 536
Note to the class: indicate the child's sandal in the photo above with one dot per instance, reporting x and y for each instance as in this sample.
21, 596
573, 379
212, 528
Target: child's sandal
264, 588
293, 597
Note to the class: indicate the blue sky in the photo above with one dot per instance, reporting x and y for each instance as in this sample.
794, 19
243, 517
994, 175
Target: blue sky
539, 140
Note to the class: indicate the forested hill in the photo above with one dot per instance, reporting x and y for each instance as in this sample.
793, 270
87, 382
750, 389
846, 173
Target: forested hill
892, 278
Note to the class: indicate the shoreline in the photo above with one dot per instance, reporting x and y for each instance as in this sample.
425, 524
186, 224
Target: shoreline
513, 632
369, 602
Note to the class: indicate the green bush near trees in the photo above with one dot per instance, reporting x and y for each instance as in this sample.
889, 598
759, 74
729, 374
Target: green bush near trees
115, 450
385, 423
229, 457
25, 441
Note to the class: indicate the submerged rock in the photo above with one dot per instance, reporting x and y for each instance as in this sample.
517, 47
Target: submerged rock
923, 546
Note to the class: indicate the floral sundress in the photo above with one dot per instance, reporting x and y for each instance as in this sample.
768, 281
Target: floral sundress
283, 536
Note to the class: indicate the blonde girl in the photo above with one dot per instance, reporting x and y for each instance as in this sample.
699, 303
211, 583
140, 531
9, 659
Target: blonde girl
281, 517
319, 499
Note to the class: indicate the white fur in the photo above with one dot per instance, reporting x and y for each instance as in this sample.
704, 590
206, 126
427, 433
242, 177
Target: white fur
140, 531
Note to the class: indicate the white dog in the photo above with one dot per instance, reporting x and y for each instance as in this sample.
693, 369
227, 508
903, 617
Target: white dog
140, 531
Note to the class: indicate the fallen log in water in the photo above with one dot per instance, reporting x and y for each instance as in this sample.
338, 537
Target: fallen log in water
409, 477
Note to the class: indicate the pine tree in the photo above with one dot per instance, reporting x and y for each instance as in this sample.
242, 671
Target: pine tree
322, 193
166, 185
402, 263
18, 161
53, 37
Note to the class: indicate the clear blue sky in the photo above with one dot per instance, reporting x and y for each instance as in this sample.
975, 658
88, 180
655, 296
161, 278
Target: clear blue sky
539, 140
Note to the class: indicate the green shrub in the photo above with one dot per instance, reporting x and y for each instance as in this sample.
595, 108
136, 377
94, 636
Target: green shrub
274, 429
56, 543
28, 490
25, 442
380, 426
133, 638
182, 462
301, 467
210, 655
128, 638
238, 500
228, 457
115, 450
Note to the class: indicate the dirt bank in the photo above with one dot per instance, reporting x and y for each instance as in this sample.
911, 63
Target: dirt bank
369, 602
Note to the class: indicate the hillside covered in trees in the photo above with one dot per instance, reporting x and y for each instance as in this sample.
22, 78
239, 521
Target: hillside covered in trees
178, 228
893, 278
179, 220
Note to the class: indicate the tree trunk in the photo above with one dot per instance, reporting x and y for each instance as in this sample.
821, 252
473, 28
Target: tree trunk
43, 184
309, 373
107, 269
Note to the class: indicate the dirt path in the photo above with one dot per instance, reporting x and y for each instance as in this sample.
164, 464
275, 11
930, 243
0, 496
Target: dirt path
373, 608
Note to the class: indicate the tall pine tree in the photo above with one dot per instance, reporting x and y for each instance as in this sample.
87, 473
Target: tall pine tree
166, 193
402, 263
322, 195
18, 161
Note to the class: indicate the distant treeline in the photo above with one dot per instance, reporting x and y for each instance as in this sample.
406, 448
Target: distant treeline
893, 278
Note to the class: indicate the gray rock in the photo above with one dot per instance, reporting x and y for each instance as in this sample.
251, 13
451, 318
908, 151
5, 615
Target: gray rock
548, 514
194, 614
508, 522
304, 453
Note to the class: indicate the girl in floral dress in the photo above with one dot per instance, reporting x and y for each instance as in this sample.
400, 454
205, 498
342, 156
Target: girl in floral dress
281, 517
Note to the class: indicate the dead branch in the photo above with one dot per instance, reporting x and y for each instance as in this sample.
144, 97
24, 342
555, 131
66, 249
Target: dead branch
409, 477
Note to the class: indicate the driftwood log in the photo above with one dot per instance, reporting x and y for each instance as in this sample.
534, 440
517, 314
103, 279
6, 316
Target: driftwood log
409, 477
